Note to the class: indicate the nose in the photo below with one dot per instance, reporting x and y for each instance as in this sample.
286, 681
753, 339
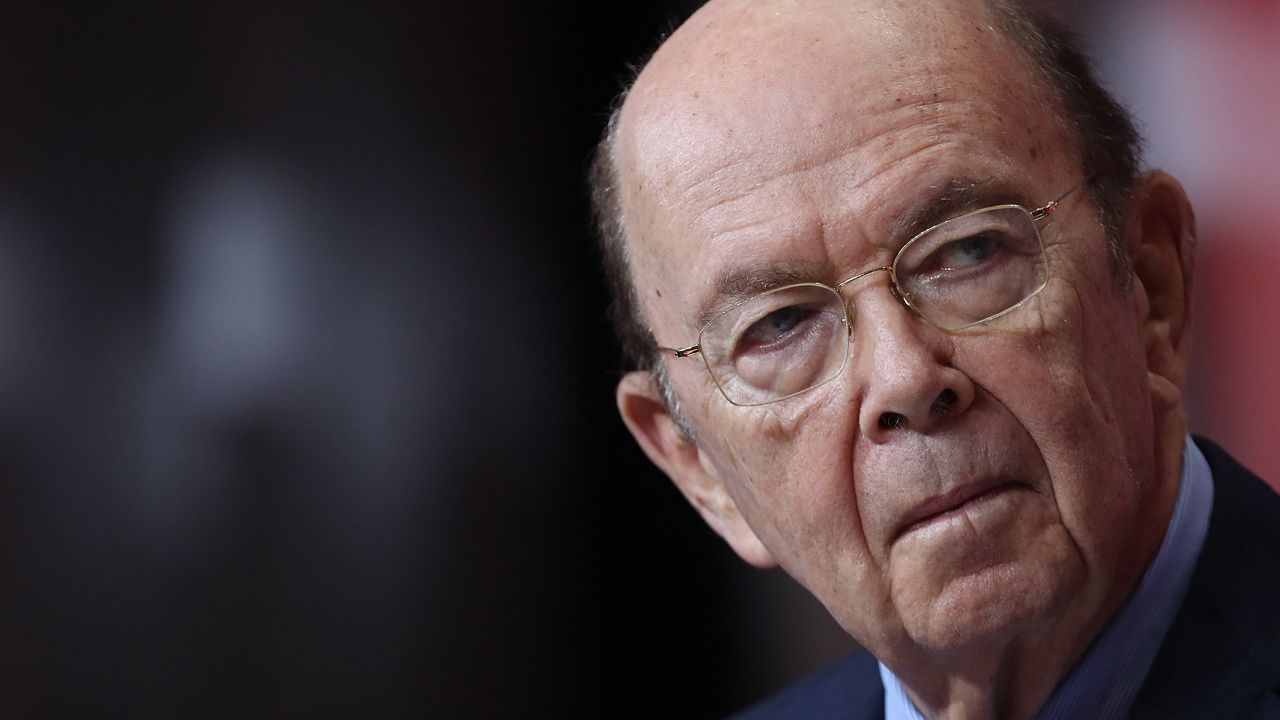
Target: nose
904, 368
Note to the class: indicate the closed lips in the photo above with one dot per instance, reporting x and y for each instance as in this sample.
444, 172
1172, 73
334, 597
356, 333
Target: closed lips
950, 502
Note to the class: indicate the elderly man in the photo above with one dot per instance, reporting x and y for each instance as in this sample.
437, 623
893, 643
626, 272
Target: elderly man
910, 323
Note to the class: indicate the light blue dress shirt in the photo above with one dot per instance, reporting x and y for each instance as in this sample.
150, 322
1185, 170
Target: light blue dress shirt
1105, 682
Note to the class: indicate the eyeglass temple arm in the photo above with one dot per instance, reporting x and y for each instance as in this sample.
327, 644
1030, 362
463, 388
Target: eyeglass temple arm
682, 352
1048, 208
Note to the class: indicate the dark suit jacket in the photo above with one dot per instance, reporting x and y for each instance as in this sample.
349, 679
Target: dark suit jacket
1221, 658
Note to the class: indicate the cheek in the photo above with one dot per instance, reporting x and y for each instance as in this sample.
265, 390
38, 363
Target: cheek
789, 468
1078, 388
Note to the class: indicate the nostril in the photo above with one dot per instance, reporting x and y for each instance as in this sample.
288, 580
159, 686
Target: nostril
891, 420
945, 402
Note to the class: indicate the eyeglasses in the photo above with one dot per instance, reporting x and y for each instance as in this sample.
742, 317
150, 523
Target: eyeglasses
957, 274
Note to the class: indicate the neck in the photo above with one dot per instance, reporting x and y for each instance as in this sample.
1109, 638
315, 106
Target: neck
1012, 681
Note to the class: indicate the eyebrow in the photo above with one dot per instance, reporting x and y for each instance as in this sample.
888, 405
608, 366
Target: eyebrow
734, 286
948, 199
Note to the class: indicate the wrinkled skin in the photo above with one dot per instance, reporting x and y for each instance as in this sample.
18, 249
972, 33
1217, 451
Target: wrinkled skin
787, 134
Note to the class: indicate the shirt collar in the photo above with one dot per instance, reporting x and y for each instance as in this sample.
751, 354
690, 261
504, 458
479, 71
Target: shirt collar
1107, 679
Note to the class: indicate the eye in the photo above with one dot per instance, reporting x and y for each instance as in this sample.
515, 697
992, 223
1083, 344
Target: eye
972, 268
966, 253
775, 327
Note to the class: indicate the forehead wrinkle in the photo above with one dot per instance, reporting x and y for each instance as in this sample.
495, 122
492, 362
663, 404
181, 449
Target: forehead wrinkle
691, 179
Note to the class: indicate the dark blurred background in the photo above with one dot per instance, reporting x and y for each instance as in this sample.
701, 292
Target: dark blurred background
306, 393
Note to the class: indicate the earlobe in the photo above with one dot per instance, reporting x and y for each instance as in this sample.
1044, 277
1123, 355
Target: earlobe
1161, 244
650, 422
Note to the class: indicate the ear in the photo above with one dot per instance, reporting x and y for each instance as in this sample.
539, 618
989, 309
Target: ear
1161, 240
649, 420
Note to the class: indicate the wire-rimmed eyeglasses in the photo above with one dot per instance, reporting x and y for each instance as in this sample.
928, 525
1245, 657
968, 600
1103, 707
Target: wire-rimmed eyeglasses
959, 273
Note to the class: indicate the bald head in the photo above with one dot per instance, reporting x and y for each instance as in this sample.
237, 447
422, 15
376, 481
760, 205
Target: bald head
786, 69
741, 79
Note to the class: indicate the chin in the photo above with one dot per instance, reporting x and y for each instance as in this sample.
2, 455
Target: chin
992, 606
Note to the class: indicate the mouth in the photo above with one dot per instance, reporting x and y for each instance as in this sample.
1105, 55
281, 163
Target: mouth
952, 503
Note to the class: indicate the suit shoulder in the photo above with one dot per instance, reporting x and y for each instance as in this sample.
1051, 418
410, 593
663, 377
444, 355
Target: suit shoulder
1221, 657
850, 689
1240, 558
1238, 574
